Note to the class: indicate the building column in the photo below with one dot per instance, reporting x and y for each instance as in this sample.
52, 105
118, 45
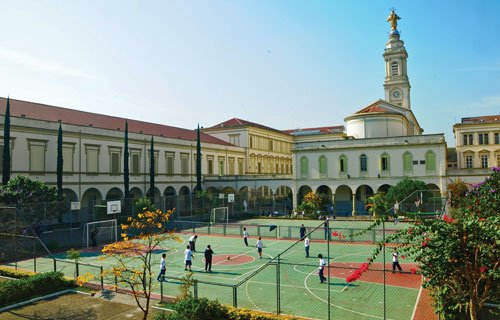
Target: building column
354, 204
333, 204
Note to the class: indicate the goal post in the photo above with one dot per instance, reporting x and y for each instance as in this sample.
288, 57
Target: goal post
100, 232
218, 215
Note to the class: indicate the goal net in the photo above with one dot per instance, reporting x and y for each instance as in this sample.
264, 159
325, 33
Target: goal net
219, 215
100, 232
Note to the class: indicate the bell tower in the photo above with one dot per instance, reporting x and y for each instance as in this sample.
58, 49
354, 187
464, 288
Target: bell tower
396, 84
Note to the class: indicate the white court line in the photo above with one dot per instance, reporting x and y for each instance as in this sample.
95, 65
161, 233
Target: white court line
336, 306
416, 304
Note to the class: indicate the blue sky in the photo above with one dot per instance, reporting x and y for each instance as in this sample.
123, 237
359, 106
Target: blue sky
282, 63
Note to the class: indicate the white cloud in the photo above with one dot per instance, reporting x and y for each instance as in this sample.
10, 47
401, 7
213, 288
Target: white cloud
37, 63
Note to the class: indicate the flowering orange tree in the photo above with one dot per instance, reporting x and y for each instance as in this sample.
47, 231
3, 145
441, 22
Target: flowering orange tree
459, 252
312, 202
142, 235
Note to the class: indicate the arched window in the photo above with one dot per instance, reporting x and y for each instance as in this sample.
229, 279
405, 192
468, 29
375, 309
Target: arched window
323, 167
407, 163
363, 163
395, 68
343, 164
430, 161
304, 167
385, 165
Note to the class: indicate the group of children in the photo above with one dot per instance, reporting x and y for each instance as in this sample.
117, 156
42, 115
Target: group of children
188, 255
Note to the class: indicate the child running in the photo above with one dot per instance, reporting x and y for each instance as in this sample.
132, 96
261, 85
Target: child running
322, 264
245, 236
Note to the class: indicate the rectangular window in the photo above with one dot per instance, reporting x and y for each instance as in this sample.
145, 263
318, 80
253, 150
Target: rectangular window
169, 158
184, 164
251, 142
92, 153
484, 161
497, 138
363, 164
385, 164
270, 145
407, 163
210, 165
68, 150
468, 162
483, 138
37, 155
115, 162
231, 166
240, 167
221, 166
342, 165
468, 139
135, 165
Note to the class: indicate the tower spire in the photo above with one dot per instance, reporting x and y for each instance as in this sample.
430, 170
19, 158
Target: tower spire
396, 84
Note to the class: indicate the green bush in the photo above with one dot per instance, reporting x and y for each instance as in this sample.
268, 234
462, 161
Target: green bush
200, 309
38, 285
13, 273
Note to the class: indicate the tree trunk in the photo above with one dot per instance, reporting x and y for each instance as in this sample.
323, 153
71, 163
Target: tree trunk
473, 309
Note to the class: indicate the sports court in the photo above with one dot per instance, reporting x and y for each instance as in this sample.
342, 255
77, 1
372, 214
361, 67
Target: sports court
284, 280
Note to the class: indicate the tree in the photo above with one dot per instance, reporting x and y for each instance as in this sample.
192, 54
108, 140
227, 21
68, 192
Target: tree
126, 176
311, 203
459, 253
198, 159
6, 145
151, 193
142, 235
404, 188
59, 163
377, 205
22, 190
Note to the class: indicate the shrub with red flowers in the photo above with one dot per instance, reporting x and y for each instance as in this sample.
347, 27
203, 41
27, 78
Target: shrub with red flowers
458, 254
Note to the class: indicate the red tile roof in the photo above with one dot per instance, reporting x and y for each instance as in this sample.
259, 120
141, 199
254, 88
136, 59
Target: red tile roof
32, 110
481, 119
236, 122
314, 131
375, 108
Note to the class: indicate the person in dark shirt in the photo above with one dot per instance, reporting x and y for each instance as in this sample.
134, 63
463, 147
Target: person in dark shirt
302, 232
208, 259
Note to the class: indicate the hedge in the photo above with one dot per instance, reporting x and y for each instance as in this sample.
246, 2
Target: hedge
204, 309
13, 273
12, 292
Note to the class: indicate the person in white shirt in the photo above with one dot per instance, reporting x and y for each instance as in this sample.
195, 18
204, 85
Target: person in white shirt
322, 264
188, 256
245, 236
259, 246
306, 246
395, 261
163, 268
192, 242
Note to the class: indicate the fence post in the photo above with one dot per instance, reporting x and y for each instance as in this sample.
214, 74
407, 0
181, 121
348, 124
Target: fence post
224, 228
278, 289
351, 234
235, 297
195, 289
34, 256
102, 279
77, 269
55, 267
258, 230
374, 235
161, 291
116, 284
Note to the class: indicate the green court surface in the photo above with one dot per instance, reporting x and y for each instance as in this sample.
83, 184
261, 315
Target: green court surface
288, 284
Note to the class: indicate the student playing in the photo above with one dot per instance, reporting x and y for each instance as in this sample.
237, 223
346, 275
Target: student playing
395, 261
163, 268
192, 242
259, 246
302, 232
306, 246
322, 264
208, 259
188, 256
245, 236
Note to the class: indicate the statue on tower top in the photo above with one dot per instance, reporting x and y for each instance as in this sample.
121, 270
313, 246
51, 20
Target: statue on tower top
393, 20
